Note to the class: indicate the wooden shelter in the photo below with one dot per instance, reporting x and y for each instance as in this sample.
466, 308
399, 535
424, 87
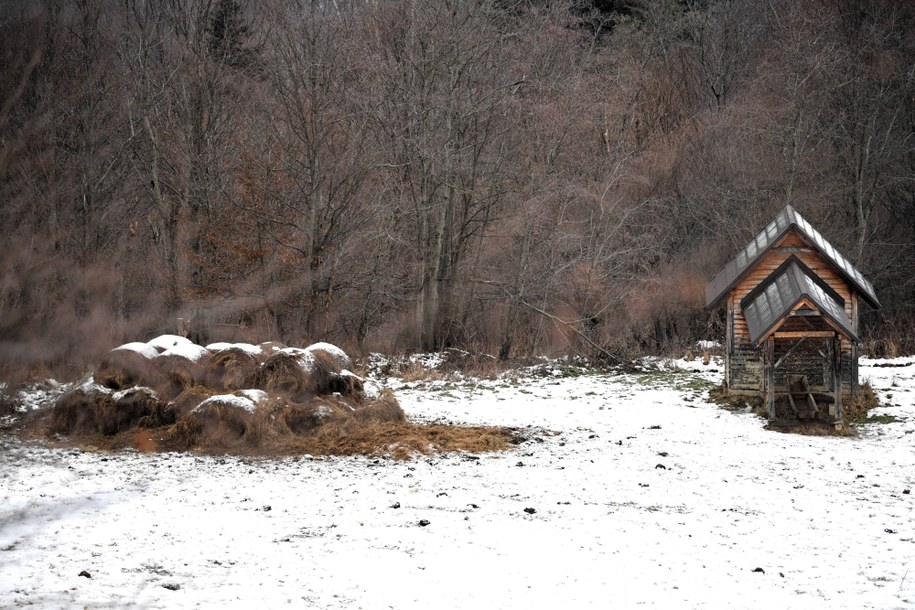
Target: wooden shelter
792, 320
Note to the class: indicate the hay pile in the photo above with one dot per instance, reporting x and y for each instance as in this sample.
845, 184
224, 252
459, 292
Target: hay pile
126, 366
231, 368
170, 394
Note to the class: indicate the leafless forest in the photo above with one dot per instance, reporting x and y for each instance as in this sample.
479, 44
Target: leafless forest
512, 176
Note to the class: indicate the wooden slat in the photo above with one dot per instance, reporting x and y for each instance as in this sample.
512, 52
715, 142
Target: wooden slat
810, 334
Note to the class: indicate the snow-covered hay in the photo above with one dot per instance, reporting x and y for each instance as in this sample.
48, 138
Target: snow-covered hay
222, 421
385, 408
163, 343
296, 401
352, 385
126, 410
91, 409
305, 418
74, 413
186, 401
177, 373
231, 369
126, 366
338, 354
288, 373
326, 373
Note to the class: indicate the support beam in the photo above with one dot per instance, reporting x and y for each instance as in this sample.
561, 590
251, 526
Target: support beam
786, 354
837, 379
770, 376
805, 334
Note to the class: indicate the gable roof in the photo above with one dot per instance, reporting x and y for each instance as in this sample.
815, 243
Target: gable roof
781, 293
787, 219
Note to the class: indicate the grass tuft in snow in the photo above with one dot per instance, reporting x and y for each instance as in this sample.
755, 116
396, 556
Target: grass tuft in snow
856, 410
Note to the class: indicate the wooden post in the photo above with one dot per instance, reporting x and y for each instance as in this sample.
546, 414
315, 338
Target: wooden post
770, 376
837, 379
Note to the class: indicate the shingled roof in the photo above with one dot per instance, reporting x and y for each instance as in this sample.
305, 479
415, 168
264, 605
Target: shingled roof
737, 268
781, 293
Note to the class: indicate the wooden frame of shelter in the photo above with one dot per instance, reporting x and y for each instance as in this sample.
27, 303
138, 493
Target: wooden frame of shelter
792, 320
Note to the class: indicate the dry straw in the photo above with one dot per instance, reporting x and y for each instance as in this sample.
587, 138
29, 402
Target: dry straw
123, 368
231, 369
177, 374
305, 402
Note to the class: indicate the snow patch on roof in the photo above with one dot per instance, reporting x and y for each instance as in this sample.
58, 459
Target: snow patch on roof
144, 349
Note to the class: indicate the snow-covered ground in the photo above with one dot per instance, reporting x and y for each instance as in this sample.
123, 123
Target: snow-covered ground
632, 492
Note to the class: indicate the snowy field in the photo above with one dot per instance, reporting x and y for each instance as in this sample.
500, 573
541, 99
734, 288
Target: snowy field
631, 492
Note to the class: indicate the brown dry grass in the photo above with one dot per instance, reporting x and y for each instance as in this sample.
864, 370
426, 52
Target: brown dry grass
733, 402
417, 372
383, 409
231, 369
855, 410
400, 440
